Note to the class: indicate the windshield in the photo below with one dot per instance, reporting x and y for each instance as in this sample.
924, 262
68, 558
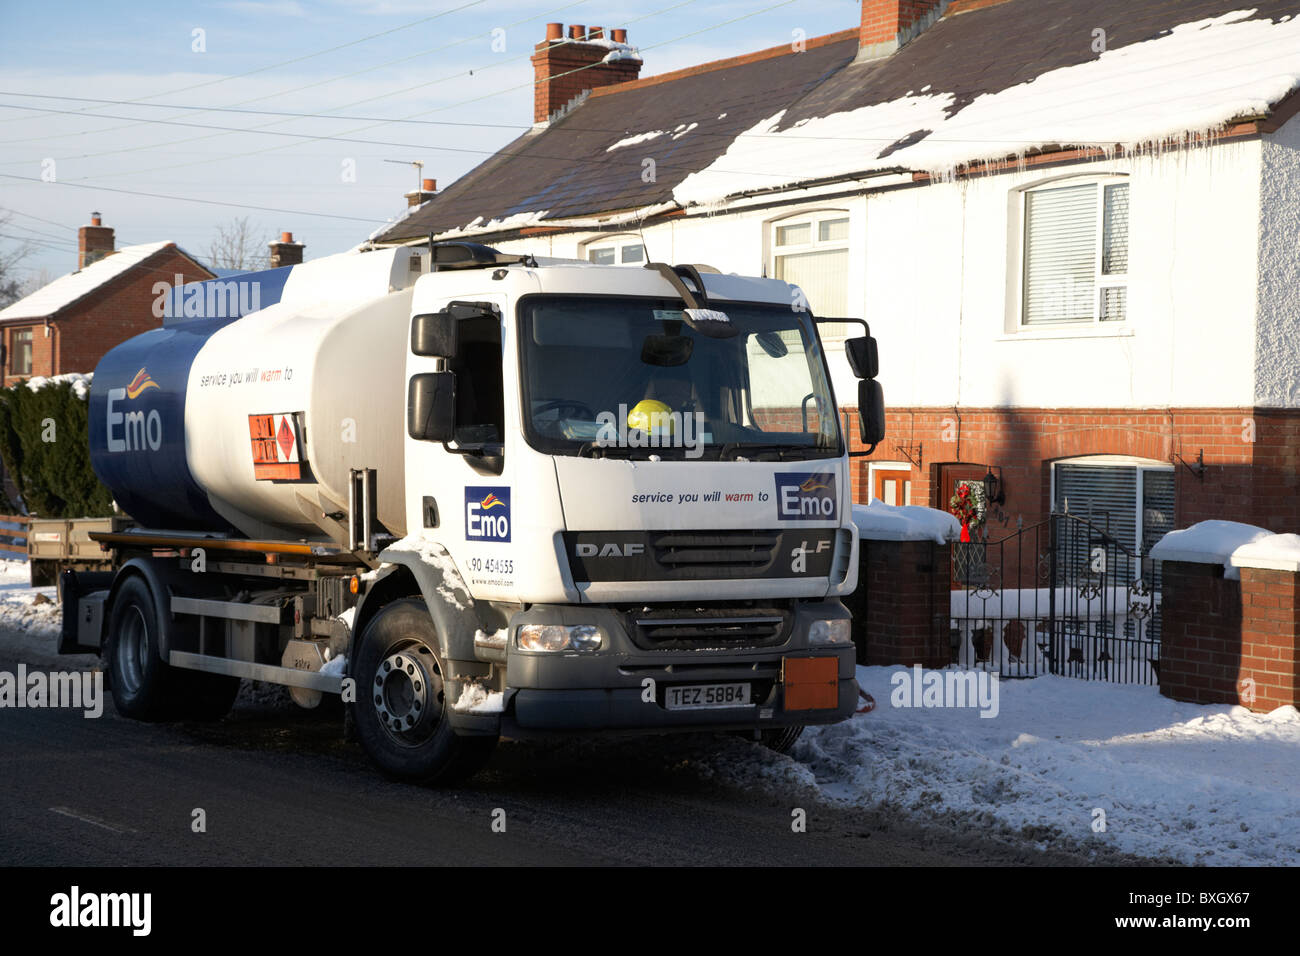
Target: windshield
628, 377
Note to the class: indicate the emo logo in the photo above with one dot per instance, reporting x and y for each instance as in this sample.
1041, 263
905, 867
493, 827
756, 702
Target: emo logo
806, 497
487, 514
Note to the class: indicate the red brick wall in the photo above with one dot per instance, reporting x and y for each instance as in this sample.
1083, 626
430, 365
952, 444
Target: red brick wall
901, 605
1253, 481
555, 79
884, 20
1230, 642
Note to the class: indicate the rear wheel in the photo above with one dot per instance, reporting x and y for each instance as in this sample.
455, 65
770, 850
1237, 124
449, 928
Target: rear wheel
401, 714
142, 682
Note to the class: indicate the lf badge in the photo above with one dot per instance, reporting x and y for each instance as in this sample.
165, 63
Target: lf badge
799, 555
487, 514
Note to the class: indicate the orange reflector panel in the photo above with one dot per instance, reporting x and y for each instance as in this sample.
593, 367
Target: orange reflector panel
811, 683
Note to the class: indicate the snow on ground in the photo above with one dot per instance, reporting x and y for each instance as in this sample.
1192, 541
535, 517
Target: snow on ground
34, 623
1215, 785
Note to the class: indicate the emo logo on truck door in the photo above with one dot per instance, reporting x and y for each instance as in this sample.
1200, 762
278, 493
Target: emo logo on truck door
487, 514
806, 497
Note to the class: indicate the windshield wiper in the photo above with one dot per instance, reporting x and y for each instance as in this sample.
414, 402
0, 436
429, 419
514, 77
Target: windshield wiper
734, 450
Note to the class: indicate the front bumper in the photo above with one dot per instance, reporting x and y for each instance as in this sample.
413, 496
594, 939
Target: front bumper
608, 690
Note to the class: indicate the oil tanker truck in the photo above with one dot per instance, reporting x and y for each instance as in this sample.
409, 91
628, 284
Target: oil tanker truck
479, 494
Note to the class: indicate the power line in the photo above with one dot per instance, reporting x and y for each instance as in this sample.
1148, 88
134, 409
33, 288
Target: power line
309, 56
206, 202
308, 86
323, 114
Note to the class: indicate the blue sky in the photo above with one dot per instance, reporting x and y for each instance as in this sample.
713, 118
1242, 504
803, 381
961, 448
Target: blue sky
258, 56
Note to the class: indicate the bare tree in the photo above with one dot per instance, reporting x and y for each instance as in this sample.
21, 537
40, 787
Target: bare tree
235, 245
12, 288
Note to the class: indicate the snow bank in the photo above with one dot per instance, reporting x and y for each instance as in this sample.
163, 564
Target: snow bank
476, 699
1232, 544
1200, 784
1192, 81
80, 382
1279, 552
881, 522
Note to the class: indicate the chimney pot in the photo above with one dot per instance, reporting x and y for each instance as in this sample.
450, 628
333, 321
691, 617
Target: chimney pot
597, 33
286, 237
554, 31
95, 219
618, 35
430, 185
577, 31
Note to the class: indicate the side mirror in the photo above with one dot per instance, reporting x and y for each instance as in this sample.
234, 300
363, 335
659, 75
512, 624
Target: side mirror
871, 412
431, 406
434, 333
863, 355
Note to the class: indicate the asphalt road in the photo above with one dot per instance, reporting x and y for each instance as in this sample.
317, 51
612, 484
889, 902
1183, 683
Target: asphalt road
281, 786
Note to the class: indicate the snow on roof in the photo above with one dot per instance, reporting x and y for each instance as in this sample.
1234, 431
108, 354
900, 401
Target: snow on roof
993, 83
878, 521
66, 290
1196, 79
1232, 544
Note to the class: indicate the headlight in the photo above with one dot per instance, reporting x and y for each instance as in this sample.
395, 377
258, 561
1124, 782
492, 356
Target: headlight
557, 637
839, 631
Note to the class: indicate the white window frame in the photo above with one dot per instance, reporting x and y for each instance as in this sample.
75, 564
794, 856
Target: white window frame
813, 218
1101, 280
875, 466
619, 245
1142, 465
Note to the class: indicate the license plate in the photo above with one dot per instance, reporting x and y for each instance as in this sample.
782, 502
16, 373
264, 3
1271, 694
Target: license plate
706, 696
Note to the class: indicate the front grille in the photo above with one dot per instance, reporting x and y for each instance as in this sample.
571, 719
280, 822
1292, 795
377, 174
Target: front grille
715, 554
699, 628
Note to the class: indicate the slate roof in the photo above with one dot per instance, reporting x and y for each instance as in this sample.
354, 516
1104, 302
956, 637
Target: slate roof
574, 168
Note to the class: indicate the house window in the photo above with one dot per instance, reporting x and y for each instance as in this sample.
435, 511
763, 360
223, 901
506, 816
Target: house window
20, 352
891, 482
812, 251
621, 251
1131, 500
1076, 250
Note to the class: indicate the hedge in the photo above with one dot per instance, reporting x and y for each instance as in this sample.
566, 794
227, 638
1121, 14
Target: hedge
43, 442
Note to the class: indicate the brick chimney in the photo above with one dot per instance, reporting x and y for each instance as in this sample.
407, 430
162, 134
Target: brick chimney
94, 242
286, 252
888, 25
565, 68
428, 189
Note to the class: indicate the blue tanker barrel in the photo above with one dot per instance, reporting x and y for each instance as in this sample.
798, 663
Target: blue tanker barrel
137, 403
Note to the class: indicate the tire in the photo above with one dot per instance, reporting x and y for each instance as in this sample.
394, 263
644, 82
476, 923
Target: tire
399, 715
141, 681
781, 739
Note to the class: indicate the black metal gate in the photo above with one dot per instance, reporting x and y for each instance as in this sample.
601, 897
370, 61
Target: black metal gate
1061, 597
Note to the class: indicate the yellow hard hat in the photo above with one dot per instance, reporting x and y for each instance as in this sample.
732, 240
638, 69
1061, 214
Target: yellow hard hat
651, 416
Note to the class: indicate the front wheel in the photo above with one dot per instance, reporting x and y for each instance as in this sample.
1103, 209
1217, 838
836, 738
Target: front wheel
781, 739
401, 714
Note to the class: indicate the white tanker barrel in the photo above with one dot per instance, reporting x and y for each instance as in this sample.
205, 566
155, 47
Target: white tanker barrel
254, 423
